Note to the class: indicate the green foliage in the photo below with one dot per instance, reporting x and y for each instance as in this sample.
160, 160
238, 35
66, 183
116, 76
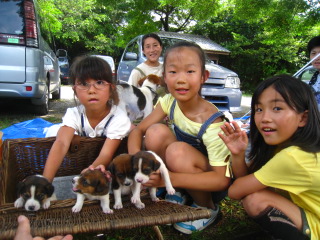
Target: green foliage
265, 37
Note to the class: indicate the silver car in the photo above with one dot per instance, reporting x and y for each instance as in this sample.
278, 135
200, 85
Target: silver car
25, 57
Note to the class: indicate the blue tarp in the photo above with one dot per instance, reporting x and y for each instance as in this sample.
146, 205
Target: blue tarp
28, 129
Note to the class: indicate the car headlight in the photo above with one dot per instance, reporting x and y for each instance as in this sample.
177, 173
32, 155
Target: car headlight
232, 82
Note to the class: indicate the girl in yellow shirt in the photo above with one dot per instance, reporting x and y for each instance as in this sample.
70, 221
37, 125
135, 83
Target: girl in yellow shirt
284, 155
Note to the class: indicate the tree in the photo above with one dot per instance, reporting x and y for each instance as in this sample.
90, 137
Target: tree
265, 39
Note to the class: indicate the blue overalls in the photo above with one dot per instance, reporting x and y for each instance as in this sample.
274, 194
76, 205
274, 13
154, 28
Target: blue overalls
83, 132
195, 141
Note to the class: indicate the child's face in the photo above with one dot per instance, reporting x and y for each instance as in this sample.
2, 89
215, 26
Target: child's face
152, 49
275, 120
95, 96
183, 74
314, 52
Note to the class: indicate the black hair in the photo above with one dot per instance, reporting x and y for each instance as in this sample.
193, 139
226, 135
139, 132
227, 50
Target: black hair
182, 44
314, 42
151, 35
298, 95
87, 66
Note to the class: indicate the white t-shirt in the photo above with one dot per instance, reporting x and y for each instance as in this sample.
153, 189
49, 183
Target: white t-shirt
118, 127
136, 75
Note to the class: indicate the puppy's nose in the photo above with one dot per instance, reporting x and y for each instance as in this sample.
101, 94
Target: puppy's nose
31, 208
139, 180
73, 181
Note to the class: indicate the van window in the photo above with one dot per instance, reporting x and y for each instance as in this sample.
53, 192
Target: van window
11, 22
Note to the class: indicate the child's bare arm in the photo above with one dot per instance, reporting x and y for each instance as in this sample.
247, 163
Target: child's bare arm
108, 149
136, 135
244, 186
58, 151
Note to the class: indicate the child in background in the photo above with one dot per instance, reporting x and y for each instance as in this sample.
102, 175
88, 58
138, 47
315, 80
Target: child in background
96, 116
152, 48
280, 189
196, 157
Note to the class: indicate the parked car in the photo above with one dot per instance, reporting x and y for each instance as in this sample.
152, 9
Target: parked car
306, 74
222, 87
109, 60
64, 65
24, 56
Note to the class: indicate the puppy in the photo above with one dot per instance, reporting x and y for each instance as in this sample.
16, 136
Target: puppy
144, 163
34, 191
122, 178
93, 185
138, 102
130, 171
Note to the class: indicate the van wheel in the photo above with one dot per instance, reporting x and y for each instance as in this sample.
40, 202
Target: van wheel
43, 109
56, 95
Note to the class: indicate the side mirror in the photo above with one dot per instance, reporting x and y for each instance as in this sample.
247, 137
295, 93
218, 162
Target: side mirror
130, 56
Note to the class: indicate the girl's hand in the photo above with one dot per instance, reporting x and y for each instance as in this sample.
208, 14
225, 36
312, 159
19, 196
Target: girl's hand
100, 167
235, 139
155, 180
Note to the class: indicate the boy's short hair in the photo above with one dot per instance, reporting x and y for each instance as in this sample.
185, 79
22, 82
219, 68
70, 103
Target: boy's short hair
314, 42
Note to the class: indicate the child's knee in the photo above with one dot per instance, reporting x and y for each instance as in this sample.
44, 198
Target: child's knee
254, 204
175, 156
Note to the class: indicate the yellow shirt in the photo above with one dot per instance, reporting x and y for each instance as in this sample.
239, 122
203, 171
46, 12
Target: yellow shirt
298, 173
217, 150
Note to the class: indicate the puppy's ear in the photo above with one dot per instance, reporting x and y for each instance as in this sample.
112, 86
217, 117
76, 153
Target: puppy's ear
154, 78
155, 165
112, 168
100, 187
20, 188
140, 82
49, 189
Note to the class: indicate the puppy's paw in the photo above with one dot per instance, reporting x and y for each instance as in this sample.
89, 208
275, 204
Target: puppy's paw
107, 210
134, 199
155, 199
19, 202
170, 190
76, 208
117, 206
46, 204
139, 205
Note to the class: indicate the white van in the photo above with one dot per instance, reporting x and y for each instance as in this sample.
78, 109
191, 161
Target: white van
28, 67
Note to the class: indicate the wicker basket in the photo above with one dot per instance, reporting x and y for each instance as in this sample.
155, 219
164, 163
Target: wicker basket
24, 157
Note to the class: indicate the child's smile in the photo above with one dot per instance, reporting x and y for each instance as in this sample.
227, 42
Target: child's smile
275, 120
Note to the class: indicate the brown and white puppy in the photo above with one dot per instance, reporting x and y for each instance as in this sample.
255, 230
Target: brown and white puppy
34, 191
138, 102
122, 178
144, 163
93, 185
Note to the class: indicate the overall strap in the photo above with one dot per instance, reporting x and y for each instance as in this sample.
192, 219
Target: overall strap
83, 132
106, 125
172, 109
143, 74
207, 123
